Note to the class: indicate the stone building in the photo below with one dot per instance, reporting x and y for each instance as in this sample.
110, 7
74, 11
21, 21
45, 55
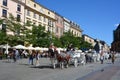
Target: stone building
115, 46
89, 39
30, 10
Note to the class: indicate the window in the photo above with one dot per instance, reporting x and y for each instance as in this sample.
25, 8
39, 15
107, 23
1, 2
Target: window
57, 20
44, 19
18, 7
4, 27
5, 2
35, 5
40, 17
48, 29
52, 24
48, 12
4, 13
56, 29
28, 13
49, 22
61, 31
61, 22
34, 15
18, 17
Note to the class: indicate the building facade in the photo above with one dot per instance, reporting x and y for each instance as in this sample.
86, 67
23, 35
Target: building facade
66, 24
75, 29
89, 39
115, 46
59, 27
29, 10
14, 7
39, 15
72, 27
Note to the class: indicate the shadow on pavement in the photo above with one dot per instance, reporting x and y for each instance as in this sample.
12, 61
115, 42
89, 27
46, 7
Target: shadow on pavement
7, 61
42, 66
24, 64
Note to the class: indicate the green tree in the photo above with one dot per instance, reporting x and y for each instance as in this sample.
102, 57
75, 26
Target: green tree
2, 37
57, 41
86, 46
78, 42
67, 39
14, 25
38, 36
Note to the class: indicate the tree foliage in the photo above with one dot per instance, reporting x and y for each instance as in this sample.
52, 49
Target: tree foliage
37, 36
77, 42
15, 27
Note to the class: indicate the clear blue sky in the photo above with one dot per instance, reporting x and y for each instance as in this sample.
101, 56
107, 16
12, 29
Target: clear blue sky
97, 18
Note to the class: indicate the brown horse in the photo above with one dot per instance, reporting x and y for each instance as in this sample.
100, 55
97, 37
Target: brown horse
63, 59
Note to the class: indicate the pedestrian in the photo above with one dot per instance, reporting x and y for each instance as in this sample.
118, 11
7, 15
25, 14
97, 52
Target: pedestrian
113, 58
14, 55
37, 56
17, 54
86, 57
31, 56
51, 53
1, 55
101, 57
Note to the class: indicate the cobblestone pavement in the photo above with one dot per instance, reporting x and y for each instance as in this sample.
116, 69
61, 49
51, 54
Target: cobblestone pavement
21, 70
107, 73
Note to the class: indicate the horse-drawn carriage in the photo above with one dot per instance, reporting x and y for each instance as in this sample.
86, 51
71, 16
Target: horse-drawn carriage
77, 57
64, 59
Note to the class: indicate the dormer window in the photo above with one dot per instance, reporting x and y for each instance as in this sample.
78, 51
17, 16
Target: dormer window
48, 12
35, 5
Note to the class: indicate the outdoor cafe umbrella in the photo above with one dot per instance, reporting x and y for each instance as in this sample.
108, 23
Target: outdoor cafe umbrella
19, 47
38, 48
6, 46
30, 48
